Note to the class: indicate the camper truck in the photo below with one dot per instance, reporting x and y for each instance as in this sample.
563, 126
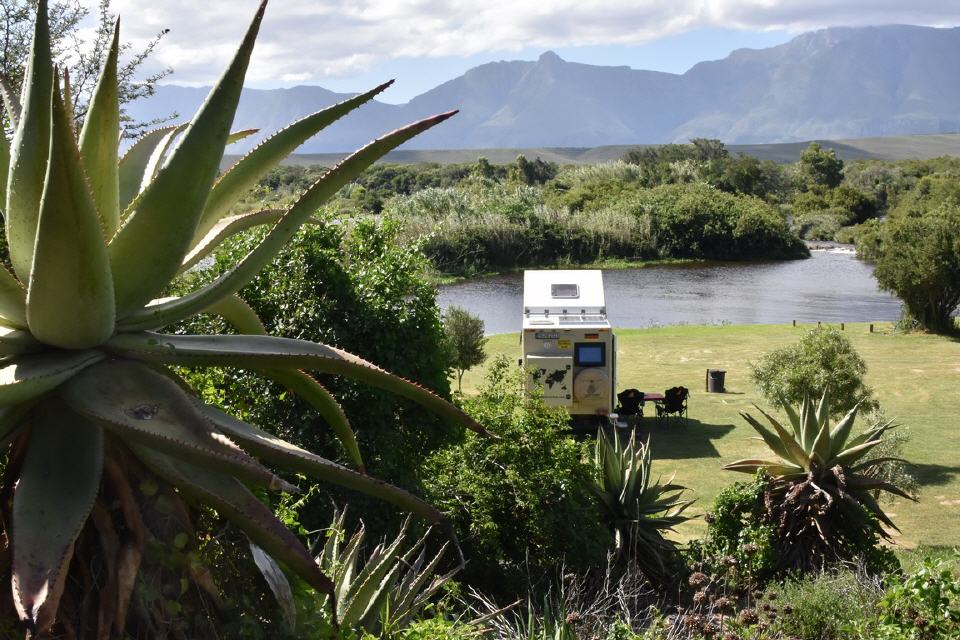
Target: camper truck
569, 350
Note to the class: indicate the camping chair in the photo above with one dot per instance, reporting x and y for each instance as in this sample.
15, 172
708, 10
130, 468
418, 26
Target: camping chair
674, 403
631, 404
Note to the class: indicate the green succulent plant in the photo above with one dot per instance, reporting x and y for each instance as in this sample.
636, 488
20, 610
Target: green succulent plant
823, 490
394, 582
638, 509
86, 384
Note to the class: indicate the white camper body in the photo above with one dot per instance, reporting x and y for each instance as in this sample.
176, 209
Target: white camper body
569, 350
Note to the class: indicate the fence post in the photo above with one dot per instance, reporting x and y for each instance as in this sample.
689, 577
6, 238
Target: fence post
841, 326
794, 323
871, 328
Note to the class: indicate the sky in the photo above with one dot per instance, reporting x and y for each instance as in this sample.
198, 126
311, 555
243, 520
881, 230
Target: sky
350, 45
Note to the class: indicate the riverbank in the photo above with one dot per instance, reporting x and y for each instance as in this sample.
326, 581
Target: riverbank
443, 279
914, 376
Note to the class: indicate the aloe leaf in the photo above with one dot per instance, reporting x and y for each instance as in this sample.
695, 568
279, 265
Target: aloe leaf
150, 245
133, 164
58, 485
29, 376
373, 579
237, 136
238, 313
821, 446
851, 455
268, 352
235, 502
11, 103
244, 174
70, 297
225, 228
283, 454
278, 583
158, 156
16, 341
13, 301
28, 157
4, 161
796, 454
773, 441
143, 406
840, 433
160, 315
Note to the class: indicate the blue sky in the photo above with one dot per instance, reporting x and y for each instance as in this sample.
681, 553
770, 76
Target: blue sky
350, 45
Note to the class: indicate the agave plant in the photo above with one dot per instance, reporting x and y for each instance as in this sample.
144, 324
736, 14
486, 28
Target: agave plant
638, 509
823, 489
392, 584
88, 401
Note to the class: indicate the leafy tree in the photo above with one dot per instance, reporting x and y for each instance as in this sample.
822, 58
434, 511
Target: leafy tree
81, 56
823, 359
820, 167
530, 173
918, 260
464, 335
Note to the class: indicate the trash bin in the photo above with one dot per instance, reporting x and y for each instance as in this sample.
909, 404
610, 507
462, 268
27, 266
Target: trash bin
715, 380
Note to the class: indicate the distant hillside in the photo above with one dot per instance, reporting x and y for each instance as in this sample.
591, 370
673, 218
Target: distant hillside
838, 83
892, 148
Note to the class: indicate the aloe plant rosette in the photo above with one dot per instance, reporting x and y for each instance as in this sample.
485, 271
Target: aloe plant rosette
822, 496
86, 392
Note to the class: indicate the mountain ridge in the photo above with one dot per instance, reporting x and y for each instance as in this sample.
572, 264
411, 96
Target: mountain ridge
841, 82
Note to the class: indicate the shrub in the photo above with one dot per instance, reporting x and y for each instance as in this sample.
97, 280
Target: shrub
821, 606
355, 288
698, 221
737, 529
519, 501
924, 605
918, 260
823, 359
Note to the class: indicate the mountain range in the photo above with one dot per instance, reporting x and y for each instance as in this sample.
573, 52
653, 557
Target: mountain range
831, 83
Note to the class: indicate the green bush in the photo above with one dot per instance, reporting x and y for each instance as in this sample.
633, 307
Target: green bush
924, 605
739, 542
918, 260
824, 606
698, 221
822, 359
357, 288
519, 501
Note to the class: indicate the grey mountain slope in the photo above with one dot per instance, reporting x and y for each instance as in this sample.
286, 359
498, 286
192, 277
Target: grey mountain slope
833, 83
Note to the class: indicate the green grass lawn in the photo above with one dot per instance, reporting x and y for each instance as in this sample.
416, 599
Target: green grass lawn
915, 377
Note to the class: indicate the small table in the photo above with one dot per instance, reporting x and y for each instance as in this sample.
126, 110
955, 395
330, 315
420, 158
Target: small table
653, 397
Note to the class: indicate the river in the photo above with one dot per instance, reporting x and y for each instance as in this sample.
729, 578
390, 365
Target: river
831, 286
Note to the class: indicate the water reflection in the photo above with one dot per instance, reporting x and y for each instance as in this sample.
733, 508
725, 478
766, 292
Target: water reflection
832, 286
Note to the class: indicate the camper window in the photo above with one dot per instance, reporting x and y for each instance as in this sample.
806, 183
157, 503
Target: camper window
565, 290
589, 354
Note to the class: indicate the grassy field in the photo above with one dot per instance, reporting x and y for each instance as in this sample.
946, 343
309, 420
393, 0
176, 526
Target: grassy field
916, 378
884, 148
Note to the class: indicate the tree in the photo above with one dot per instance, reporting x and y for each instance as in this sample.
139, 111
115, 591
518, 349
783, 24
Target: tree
531, 173
821, 167
80, 56
464, 332
918, 260
823, 359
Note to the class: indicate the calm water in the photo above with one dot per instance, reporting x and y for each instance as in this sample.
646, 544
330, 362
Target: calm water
832, 286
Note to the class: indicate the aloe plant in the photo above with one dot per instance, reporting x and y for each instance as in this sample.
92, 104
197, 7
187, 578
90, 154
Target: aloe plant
384, 592
638, 508
822, 498
87, 393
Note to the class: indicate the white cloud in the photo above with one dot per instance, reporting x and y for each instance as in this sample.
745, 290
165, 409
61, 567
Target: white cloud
309, 40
